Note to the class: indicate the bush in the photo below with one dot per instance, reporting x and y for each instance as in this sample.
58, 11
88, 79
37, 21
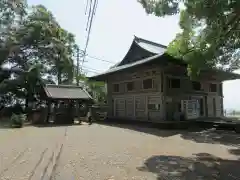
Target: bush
17, 120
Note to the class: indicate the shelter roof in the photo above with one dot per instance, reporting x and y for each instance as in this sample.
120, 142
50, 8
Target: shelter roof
66, 92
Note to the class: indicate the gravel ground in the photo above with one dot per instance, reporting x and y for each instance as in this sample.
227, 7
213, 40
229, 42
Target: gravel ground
100, 152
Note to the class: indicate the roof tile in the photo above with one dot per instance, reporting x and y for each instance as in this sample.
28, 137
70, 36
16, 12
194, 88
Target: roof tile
66, 92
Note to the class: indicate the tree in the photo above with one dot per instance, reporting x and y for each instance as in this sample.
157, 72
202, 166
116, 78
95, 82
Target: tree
210, 35
42, 40
36, 45
11, 13
95, 88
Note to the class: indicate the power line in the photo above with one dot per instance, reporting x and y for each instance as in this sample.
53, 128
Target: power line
95, 8
90, 70
92, 6
91, 14
86, 7
100, 59
94, 57
92, 11
96, 70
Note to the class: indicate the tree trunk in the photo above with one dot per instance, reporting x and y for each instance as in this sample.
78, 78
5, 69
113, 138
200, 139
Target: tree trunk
27, 99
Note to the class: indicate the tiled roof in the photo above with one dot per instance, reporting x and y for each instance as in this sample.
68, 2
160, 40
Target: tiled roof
150, 46
154, 51
141, 49
66, 92
126, 66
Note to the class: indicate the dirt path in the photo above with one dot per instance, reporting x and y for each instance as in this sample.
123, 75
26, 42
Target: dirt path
30, 153
100, 152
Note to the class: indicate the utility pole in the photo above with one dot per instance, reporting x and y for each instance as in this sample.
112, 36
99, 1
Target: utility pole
78, 59
82, 60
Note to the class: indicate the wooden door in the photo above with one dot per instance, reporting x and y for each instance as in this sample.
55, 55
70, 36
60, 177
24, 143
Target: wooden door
130, 107
140, 107
119, 107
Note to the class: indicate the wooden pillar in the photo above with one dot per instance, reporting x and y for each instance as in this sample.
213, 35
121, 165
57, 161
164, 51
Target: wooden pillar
114, 107
222, 107
146, 108
163, 91
134, 106
48, 111
206, 105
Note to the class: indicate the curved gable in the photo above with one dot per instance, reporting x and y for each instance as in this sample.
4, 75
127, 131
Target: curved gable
141, 49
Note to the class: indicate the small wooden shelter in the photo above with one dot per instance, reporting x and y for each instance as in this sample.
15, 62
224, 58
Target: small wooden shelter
64, 102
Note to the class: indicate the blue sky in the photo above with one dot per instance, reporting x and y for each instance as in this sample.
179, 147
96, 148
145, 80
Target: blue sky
115, 24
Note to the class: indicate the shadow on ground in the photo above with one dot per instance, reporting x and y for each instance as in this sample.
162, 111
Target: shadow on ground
194, 133
213, 136
143, 127
49, 125
235, 152
201, 166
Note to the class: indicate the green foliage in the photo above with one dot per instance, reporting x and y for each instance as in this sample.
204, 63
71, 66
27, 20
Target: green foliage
45, 42
32, 41
210, 35
160, 8
95, 88
17, 120
11, 13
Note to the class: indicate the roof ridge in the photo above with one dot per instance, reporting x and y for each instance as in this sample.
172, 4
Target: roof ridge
149, 42
140, 61
66, 92
63, 86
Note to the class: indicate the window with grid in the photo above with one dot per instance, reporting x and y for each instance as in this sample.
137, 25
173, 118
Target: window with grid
174, 83
130, 86
147, 84
116, 88
154, 107
213, 88
196, 85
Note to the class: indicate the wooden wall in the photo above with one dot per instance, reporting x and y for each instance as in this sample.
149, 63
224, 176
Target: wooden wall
137, 104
